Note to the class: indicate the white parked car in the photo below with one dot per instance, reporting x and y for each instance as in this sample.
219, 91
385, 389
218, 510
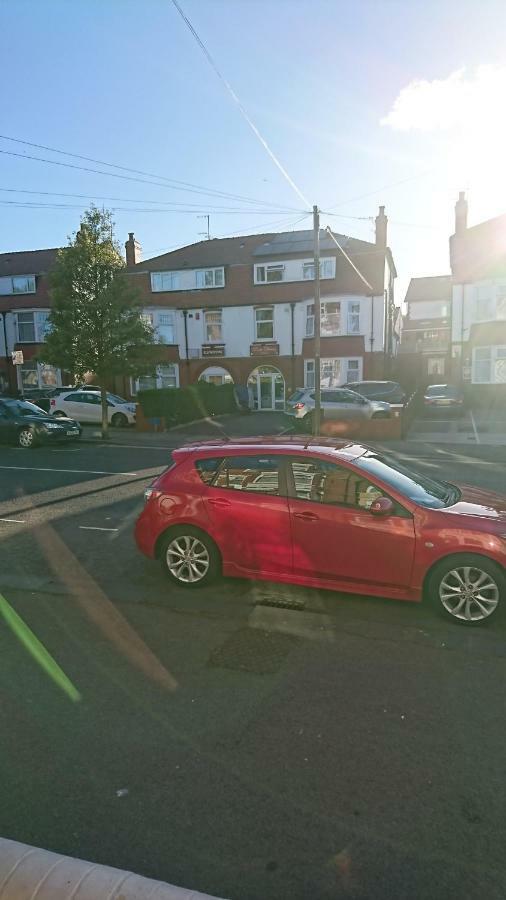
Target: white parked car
85, 406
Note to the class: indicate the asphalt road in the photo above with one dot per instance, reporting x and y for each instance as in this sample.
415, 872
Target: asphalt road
254, 741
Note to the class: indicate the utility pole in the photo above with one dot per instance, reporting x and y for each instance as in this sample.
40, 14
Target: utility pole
317, 318
207, 233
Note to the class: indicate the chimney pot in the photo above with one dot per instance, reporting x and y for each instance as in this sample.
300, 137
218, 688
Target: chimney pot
461, 214
381, 228
133, 250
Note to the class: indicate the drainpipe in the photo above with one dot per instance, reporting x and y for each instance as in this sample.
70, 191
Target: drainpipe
371, 339
4, 317
292, 362
185, 316
386, 337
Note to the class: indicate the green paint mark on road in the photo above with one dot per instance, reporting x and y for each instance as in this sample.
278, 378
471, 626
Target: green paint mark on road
37, 650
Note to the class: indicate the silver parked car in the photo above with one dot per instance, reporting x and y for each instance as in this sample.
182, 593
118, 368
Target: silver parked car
337, 404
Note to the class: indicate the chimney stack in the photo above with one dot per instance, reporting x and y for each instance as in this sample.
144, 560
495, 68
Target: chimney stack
133, 250
381, 229
461, 214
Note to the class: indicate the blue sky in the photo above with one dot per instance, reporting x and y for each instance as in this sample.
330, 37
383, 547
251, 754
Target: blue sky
125, 82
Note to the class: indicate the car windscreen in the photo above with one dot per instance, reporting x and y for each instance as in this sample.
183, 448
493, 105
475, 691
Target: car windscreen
116, 399
24, 408
441, 390
421, 489
298, 395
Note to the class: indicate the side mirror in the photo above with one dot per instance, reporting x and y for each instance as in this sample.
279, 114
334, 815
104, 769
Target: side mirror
383, 506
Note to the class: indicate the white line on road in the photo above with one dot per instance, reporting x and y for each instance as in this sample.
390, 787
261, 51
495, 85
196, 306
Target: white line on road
72, 471
14, 521
473, 423
96, 528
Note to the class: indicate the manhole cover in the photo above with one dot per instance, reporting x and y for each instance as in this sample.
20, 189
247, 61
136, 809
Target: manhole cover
253, 650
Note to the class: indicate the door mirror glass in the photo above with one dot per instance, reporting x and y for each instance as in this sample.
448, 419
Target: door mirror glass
383, 506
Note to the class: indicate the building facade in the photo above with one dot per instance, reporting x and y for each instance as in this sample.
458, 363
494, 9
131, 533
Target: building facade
24, 310
242, 310
478, 264
425, 347
235, 310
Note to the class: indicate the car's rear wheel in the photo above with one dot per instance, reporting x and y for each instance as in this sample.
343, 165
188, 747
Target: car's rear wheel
119, 420
26, 438
467, 588
189, 557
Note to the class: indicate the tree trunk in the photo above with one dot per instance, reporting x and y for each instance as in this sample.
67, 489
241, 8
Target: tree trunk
105, 419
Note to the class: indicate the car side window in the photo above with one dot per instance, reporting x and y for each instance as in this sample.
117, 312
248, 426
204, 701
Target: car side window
208, 467
255, 474
323, 482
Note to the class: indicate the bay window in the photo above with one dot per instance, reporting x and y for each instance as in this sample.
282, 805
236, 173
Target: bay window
489, 365
333, 371
353, 317
264, 323
166, 375
166, 328
330, 319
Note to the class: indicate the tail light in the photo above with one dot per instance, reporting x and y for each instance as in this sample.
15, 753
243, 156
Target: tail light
53, 403
299, 406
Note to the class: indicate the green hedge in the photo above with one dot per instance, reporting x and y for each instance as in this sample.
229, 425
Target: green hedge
178, 405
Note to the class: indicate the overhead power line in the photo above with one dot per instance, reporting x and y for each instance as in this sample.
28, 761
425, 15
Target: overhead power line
92, 196
171, 182
237, 101
352, 264
26, 204
380, 190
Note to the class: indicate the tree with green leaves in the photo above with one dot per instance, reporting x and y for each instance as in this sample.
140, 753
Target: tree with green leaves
96, 323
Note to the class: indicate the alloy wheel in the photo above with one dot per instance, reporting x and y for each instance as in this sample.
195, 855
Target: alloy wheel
187, 559
469, 593
26, 438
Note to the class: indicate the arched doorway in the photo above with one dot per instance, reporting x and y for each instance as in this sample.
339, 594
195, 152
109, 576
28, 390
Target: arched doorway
216, 375
266, 387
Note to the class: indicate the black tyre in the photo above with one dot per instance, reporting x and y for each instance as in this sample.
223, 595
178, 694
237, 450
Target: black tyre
467, 588
190, 557
26, 438
119, 420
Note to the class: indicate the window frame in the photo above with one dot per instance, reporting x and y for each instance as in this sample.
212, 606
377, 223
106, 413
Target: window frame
399, 509
134, 382
324, 315
213, 312
282, 470
344, 360
204, 272
266, 268
13, 290
258, 309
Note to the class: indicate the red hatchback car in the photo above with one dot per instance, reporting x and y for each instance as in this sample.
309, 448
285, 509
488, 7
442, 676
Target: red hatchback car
328, 514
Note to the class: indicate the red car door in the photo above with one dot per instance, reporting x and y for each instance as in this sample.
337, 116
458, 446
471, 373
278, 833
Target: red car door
336, 538
248, 512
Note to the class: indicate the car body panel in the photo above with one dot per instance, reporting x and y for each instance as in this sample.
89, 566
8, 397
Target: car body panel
344, 548
387, 391
336, 404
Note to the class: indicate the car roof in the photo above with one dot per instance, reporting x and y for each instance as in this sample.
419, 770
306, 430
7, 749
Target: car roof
279, 444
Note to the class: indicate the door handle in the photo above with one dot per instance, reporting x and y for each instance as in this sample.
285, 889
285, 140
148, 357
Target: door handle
218, 501
307, 516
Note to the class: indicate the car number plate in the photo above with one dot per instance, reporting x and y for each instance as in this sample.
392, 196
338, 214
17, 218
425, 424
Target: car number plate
72, 431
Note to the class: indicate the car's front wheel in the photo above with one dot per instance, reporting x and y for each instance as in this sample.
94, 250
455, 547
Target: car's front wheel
467, 588
189, 557
119, 420
26, 438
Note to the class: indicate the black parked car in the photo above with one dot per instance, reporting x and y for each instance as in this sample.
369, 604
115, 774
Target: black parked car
27, 425
387, 391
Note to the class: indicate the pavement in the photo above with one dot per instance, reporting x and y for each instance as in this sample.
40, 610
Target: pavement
248, 740
478, 426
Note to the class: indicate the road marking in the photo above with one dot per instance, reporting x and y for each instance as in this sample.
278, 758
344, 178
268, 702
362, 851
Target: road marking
473, 423
72, 471
136, 447
96, 528
15, 521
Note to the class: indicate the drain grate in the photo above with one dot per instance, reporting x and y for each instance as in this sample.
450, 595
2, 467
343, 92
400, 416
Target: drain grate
253, 650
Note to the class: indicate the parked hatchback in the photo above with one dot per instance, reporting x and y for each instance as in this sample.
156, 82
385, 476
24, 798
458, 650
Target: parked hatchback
86, 406
25, 424
336, 404
328, 514
388, 391
443, 398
